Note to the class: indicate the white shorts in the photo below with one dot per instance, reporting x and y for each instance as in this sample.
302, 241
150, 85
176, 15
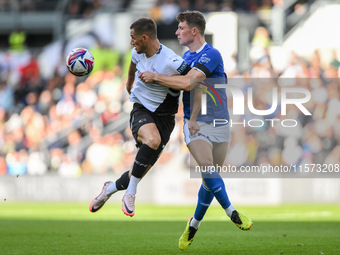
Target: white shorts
207, 132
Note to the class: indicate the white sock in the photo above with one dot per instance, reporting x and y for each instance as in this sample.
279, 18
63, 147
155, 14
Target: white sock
132, 188
111, 189
195, 223
229, 210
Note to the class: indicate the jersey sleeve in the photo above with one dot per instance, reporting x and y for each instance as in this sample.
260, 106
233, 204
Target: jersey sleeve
208, 62
178, 65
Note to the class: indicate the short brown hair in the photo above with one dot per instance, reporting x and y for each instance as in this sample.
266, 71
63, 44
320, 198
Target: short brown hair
145, 26
194, 19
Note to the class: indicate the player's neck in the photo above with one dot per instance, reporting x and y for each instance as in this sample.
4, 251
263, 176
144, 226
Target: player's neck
152, 49
196, 44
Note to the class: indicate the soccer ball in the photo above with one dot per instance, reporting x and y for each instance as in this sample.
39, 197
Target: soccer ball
80, 61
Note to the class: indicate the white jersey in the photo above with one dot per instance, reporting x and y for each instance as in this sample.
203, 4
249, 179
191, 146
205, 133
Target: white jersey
153, 96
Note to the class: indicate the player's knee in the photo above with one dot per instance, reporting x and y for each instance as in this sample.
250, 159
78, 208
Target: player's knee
205, 162
153, 141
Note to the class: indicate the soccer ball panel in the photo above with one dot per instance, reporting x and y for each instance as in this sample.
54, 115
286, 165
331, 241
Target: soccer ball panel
80, 61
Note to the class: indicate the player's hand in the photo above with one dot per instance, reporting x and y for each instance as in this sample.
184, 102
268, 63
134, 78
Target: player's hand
193, 127
147, 76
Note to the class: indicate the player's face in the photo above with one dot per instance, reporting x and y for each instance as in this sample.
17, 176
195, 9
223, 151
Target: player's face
137, 41
184, 34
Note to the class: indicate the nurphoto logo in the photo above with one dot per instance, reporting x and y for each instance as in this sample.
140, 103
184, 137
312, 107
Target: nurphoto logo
243, 103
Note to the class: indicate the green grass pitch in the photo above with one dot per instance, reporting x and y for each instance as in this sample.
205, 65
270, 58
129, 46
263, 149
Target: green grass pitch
69, 228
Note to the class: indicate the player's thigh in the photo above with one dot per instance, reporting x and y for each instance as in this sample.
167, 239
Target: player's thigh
143, 126
202, 152
220, 151
149, 134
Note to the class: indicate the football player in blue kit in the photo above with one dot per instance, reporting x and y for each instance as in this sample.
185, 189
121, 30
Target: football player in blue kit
208, 144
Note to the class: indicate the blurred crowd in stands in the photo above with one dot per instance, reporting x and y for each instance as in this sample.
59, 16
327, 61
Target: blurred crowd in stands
304, 139
69, 125
72, 8
65, 124
164, 12
75, 7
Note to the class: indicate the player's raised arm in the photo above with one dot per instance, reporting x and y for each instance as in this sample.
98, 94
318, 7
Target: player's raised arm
178, 82
131, 77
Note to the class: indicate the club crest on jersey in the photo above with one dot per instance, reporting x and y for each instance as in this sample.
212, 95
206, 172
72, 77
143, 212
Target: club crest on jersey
204, 59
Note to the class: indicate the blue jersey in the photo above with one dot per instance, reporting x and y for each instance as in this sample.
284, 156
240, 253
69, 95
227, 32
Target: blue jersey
208, 60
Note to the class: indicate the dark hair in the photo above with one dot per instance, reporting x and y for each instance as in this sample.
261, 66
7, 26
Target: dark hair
194, 19
145, 26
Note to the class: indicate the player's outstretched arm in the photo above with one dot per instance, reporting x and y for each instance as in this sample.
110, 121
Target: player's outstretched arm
131, 77
178, 82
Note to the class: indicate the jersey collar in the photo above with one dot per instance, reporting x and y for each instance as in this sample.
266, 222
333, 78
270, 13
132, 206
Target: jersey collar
200, 49
160, 49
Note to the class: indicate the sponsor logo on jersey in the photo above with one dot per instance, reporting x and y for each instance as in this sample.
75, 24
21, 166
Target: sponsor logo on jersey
204, 59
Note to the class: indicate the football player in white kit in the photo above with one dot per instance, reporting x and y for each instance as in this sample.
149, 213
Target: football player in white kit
152, 118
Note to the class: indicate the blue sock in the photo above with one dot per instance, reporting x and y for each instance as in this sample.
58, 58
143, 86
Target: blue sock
215, 183
205, 197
